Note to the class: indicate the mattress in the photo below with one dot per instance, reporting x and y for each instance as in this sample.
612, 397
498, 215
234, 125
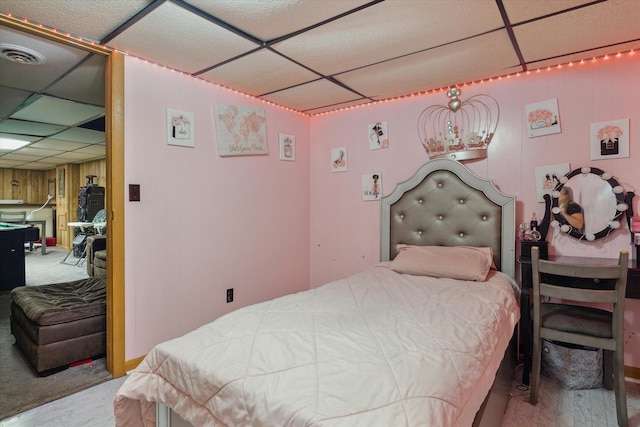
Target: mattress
378, 348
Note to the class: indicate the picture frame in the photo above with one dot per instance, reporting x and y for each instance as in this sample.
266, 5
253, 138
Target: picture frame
543, 118
180, 128
378, 136
609, 139
372, 186
339, 159
61, 182
547, 177
287, 147
241, 130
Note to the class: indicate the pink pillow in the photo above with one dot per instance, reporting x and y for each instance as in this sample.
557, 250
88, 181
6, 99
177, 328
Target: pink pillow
455, 262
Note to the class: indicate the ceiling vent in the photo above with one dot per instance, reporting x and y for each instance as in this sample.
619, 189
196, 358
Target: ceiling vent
21, 55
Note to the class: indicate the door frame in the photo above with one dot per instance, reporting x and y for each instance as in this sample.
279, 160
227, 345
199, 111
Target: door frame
114, 133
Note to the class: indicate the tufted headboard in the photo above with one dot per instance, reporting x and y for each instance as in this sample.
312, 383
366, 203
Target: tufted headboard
445, 204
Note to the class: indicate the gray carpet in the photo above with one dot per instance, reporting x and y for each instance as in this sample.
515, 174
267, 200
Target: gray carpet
20, 387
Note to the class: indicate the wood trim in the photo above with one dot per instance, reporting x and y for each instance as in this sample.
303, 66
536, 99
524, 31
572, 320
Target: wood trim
632, 372
115, 218
133, 363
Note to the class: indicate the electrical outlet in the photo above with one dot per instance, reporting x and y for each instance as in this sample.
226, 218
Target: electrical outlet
230, 295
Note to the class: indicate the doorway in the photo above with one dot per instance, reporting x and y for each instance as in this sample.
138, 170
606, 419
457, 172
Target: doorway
114, 132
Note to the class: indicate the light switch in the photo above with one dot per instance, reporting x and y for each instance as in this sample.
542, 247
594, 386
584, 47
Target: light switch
134, 192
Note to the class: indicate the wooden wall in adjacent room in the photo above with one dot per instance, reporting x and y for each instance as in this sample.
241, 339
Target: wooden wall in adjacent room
32, 185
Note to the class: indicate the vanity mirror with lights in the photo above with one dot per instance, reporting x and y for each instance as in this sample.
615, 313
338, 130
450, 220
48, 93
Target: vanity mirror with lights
600, 202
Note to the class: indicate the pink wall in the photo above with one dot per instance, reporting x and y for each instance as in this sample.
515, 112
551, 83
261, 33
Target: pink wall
345, 229
205, 223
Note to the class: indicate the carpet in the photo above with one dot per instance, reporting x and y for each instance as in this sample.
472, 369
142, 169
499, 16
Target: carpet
20, 386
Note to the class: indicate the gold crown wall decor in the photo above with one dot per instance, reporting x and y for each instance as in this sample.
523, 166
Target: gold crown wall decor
461, 130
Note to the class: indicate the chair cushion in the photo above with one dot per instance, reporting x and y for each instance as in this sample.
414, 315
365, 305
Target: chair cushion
577, 319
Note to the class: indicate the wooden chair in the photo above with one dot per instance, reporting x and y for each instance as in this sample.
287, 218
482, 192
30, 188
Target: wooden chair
577, 324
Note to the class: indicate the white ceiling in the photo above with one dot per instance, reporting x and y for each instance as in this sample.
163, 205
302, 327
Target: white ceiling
311, 56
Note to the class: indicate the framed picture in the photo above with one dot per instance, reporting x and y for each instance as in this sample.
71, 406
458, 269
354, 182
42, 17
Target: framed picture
61, 182
378, 136
339, 162
371, 186
241, 131
52, 188
610, 140
543, 118
547, 177
180, 128
287, 147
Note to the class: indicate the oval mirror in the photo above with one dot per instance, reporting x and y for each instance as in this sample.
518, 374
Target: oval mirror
588, 204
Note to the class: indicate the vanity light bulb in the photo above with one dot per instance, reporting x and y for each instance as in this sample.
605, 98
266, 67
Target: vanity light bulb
621, 207
555, 224
590, 237
565, 228
614, 224
617, 189
605, 176
563, 179
585, 170
555, 210
556, 194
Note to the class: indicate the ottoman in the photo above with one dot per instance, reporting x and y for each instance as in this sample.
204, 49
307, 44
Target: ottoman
100, 263
58, 324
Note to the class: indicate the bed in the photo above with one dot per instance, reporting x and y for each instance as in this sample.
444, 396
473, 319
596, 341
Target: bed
392, 345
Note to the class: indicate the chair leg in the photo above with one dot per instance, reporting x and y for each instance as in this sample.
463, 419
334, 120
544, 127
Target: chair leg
620, 390
534, 377
607, 356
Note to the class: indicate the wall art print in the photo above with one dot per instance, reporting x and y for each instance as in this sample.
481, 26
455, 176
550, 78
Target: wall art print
339, 161
180, 128
287, 147
241, 130
547, 177
371, 186
543, 118
378, 136
610, 140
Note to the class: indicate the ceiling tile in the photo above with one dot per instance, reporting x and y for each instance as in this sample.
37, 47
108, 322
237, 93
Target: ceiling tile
29, 138
600, 25
17, 156
35, 166
312, 95
47, 109
81, 135
435, 69
40, 152
172, 36
259, 73
52, 144
72, 156
85, 84
387, 31
93, 150
4, 163
519, 11
29, 128
267, 20
11, 99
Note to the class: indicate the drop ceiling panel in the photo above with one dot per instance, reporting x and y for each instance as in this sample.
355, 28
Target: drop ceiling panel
52, 144
29, 151
29, 138
268, 20
47, 109
71, 156
34, 166
59, 59
11, 99
259, 73
600, 25
81, 135
312, 95
519, 11
85, 84
92, 20
4, 163
29, 128
97, 150
387, 31
178, 39
589, 55
433, 68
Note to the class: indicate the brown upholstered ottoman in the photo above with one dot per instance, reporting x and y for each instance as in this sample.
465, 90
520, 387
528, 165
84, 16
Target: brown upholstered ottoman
100, 263
55, 325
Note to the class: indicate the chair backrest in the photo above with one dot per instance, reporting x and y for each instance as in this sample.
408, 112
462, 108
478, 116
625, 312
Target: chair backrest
584, 291
15, 217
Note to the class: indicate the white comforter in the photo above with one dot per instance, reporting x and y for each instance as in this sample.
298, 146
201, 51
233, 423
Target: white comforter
375, 349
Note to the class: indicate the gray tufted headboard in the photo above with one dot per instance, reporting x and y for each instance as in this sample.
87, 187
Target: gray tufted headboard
445, 204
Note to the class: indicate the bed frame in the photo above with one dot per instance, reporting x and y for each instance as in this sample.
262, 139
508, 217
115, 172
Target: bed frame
444, 204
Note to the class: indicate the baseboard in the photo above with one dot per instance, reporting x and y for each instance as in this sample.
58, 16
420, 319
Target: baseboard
632, 372
130, 365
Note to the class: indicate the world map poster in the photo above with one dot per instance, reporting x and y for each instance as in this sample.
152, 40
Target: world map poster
241, 130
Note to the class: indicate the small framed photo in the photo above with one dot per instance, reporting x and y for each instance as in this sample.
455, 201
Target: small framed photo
371, 186
339, 162
543, 118
378, 136
180, 130
610, 140
547, 177
287, 147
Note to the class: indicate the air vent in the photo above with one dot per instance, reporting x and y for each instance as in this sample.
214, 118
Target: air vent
21, 55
